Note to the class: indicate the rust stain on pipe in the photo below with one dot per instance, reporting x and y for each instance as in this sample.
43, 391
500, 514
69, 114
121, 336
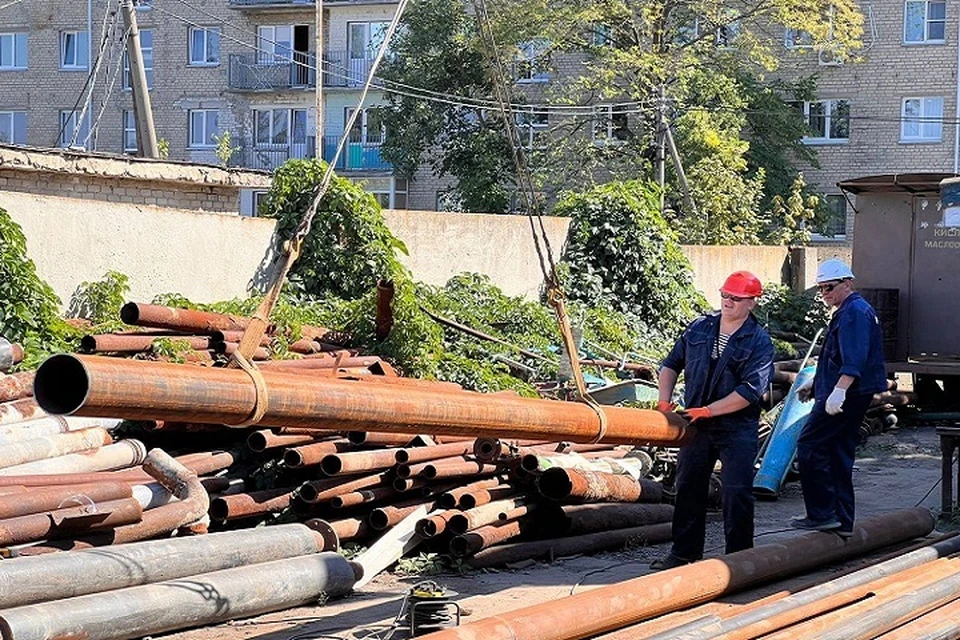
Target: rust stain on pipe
183, 320
435, 525
20, 410
384, 320
47, 499
421, 454
594, 486
113, 343
324, 490
452, 498
335, 464
16, 386
245, 505
314, 453
488, 536
90, 385
480, 497
260, 441
69, 520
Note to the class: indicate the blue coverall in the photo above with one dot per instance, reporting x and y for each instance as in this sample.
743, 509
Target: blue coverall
745, 366
825, 450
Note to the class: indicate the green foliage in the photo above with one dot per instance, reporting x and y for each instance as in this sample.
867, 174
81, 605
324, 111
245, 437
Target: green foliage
225, 148
163, 148
171, 348
622, 254
28, 306
782, 309
100, 301
784, 350
792, 217
422, 564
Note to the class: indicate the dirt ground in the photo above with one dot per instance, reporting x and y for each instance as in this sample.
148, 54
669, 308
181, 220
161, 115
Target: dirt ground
893, 471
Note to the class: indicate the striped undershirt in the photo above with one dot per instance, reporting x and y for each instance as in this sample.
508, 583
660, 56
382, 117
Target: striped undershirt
720, 344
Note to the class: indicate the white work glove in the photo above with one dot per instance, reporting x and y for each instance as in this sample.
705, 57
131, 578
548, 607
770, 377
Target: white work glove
805, 391
835, 401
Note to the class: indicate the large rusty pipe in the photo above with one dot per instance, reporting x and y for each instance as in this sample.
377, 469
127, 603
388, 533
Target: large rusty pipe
246, 505
20, 410
314, 453
335, 464
39, 500
113, 343
202, 599
773, 616
451, 498
557, 547
939, 624
336, 531
260, 441
125, 453
365, 496
455, 469
485, 514
16, 386
612, 607
69, 520
41, 578
434, 525
590, 518
481, 497
317, 491
413, 455
595, 486
385, 517
325, 363
182, 320
15, 453
473, 542
219, 335
90, 385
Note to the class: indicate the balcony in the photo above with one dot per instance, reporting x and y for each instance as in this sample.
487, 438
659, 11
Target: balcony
272, 5
356, 156
253, 73
340, 70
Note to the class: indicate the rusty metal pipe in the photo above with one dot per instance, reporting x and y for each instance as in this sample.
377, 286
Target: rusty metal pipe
260, 441
776, 615
49, 499
582, 519
324, 363
41, 578
473, 542
422, 454
11, 353
490, 449
939, 624
365, 496
125, 453
16, 386
15, 453
434, 525
20, 410
615, 606
317, 491
49, 426
220, 335
455, 469
314, 453
88, 385
336, 531
586, 543
202, 599
335, 464
69, 520
383, 322
485, 514
451, 498
374, 438
113, 343
246, 505
182, 320
481, 497
595, 486
230, 348
385, 517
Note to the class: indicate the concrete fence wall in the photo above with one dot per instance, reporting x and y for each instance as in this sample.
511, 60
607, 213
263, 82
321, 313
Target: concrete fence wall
215, 257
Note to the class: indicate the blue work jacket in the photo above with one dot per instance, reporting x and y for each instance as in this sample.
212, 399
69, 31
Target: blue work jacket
853, 346
745, 366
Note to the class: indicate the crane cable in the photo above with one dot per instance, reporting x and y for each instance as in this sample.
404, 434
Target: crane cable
259, 321
533, 204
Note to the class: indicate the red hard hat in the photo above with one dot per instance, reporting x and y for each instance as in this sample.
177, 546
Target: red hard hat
743, 284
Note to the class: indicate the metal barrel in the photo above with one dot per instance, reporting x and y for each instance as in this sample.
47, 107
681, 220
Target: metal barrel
782, 448
198, 600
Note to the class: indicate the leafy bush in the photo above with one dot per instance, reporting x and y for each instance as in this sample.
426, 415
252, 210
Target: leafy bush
100, 301
621, 254
782, 309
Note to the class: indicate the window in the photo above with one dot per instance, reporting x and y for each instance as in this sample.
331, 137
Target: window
391, 193
203, 126
921, 120
532, 126
204, 46
70, 134
828, 121
601, 35
365, 39
274, 44
610, 124
837, 216
142, 5
369, 128
924, 21
532, 62
74, 50
129, 131
281, 128
146, 50
13, 51
797, 39
13, 127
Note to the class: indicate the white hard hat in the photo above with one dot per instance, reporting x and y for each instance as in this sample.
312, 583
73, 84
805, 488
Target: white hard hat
833, 269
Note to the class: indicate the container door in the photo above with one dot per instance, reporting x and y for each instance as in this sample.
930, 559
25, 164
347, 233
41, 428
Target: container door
935, 281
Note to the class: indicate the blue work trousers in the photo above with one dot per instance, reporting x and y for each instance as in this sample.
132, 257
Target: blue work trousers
825, 454
736, 448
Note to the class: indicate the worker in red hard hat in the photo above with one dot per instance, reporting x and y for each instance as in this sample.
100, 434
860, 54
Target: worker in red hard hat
727, 360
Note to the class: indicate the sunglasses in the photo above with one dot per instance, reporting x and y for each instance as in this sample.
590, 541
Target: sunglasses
827, 288
733, 298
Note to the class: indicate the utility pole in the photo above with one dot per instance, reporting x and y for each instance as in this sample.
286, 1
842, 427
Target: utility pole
318, 61
142, 111
681, 174
660, 161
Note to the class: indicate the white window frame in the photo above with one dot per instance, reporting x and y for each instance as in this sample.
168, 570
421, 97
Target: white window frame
202, 117
373, 33
370, 136
531, 126
68, 122
129, 122
18, 47
603, 118
797, 39
828, 116
270, 48
528, 62
11, 118
80, 60
146, 52
927, 22
928, 121
289, 123
203, 60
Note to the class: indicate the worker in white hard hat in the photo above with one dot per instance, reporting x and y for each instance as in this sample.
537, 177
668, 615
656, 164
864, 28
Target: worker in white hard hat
850, 369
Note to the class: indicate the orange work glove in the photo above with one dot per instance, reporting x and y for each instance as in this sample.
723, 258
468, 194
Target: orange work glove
665, 407
696, 413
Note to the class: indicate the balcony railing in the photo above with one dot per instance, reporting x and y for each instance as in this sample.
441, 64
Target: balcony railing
356, 156
342, 70
263, 4
257, 73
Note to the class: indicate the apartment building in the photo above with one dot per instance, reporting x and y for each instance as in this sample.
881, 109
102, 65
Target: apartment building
893, 109
247, 67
